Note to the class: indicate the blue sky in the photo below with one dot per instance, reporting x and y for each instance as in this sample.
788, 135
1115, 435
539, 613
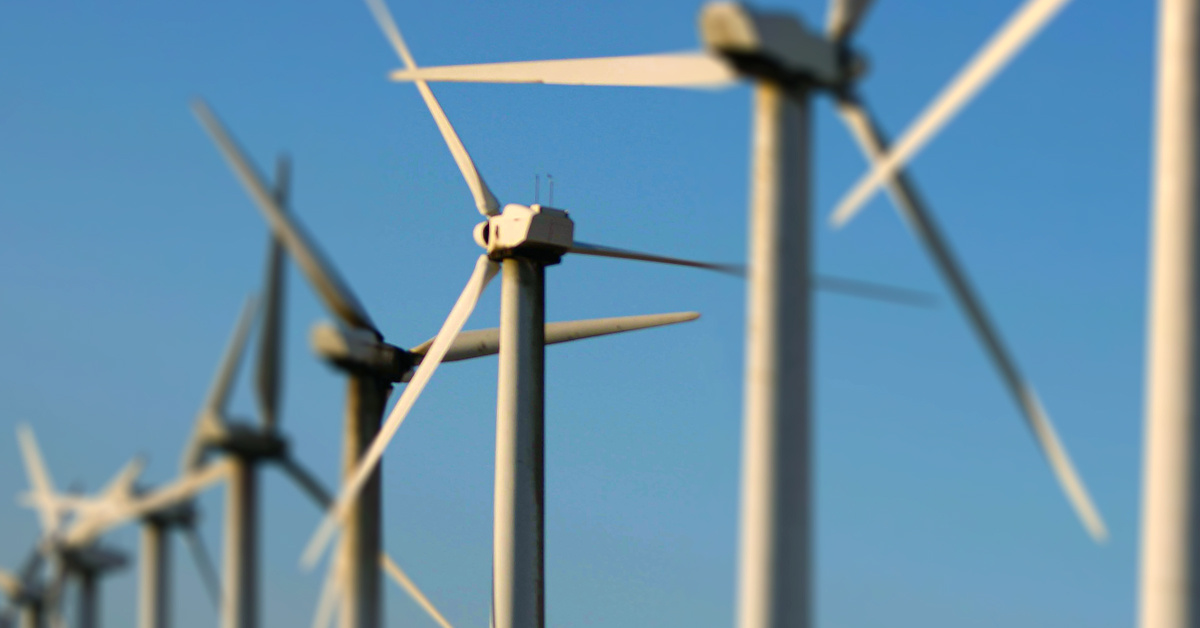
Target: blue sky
126, 248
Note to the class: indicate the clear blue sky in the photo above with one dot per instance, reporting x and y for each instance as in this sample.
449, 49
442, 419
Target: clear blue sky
126, 248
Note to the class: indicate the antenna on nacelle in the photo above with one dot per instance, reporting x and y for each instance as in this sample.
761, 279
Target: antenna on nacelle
550, 182
537, 189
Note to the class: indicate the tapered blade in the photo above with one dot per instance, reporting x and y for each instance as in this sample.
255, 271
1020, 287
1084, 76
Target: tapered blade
204, 564
485, 201
912, 208
485, 270
412, 590
210, 421
874, 291
583, 248
39, 479
270, 348
320, 273
845, 17
121, 487
313, 487
181, 490
331, 593
681, 69
481, 342
307, 481
92, 514
979, 71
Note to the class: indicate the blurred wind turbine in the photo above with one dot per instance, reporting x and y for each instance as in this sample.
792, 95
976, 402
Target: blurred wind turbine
356, 347
787, 63
80, 557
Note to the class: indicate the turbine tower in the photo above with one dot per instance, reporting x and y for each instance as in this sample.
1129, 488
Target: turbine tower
1169, 584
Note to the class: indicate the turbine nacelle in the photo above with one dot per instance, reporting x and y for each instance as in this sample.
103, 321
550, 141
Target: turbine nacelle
535, 231
360, 350
94, 558
249, 441
775, 46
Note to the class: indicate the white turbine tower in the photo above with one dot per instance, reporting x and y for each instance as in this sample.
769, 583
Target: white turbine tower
788, 63
1169, 582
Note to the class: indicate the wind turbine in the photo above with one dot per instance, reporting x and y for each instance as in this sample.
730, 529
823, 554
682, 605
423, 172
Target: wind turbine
158, 510
787, 63
80, 556
356, 346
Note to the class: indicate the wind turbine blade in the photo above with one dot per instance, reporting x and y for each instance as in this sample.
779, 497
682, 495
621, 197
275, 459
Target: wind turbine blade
182, 490
270, 348
39, 479
485, 270
583, 248
681, 69
412, 590
320, 273
121, 486
91, 520
217, 400
921, 222
485, 201
212, 414
331, 593
311, 485
481, 342
204, 564
845, 17
307, 481
874, 291
999, 50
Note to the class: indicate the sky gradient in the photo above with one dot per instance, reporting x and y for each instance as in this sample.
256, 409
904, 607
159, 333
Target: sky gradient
127, 247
